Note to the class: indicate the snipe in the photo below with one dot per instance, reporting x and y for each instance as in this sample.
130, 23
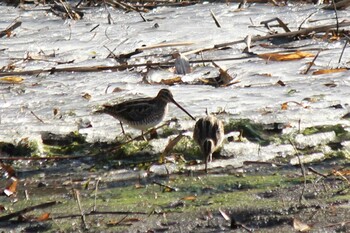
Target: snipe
143, 113
209, 134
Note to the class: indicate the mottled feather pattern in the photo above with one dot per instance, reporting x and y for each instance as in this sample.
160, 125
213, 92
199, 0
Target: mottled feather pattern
209, 134
208, 127
143, 113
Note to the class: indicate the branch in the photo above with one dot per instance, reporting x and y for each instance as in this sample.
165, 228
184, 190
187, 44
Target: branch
10, 29
28, 209
304, 32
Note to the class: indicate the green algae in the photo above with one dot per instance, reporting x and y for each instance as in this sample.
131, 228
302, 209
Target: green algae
193, 194
338, 129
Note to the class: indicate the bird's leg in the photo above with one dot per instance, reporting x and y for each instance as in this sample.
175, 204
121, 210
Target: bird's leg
121, 126
210, 158
206, 166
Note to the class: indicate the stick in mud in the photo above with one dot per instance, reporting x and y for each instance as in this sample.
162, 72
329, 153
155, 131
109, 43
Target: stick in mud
312, 62
301, 198
83, 218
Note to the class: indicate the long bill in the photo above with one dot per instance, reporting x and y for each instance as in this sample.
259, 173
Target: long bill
179, 106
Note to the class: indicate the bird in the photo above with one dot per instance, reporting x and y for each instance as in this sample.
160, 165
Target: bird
142, 113
208, 134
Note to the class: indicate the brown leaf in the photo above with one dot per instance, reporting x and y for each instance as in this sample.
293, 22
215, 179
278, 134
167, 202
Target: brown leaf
189, 198
8, 169
55, 111
12, 187
118, 89
171, 81
225, 78
329, 71
285, 56
11, 79
284, 106
331, 84
131, 220
281, 83
120, 222
266, 75
168, 189
139, 186
87, 96
43, 217
170, 146
341, 173
300, 226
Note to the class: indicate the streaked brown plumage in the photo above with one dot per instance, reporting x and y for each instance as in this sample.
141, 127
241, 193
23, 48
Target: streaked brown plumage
209, 134
143, 113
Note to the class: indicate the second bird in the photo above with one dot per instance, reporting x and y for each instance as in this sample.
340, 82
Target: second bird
143, 113
209, 134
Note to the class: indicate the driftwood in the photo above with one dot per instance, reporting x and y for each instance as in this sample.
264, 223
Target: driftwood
301, 32
110, 68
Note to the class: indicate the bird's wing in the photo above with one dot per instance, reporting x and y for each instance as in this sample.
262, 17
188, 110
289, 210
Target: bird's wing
136, 110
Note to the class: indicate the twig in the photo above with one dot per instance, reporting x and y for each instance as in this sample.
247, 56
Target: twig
16, 158
311, 169
78, 4
26, 194
304, 31
143, 18
215, 19
37, 117
236, 224
142, 135
28, 209
248, 162
109, 17
110, 52
280, 22
336, 16
77, 196
110, 68
96, 188
302, 172
165, 186
342, 52
105, 213
68, 12
162, 45
10, 29
121, 220
312, 62
308, 17
339, 5
94, 28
